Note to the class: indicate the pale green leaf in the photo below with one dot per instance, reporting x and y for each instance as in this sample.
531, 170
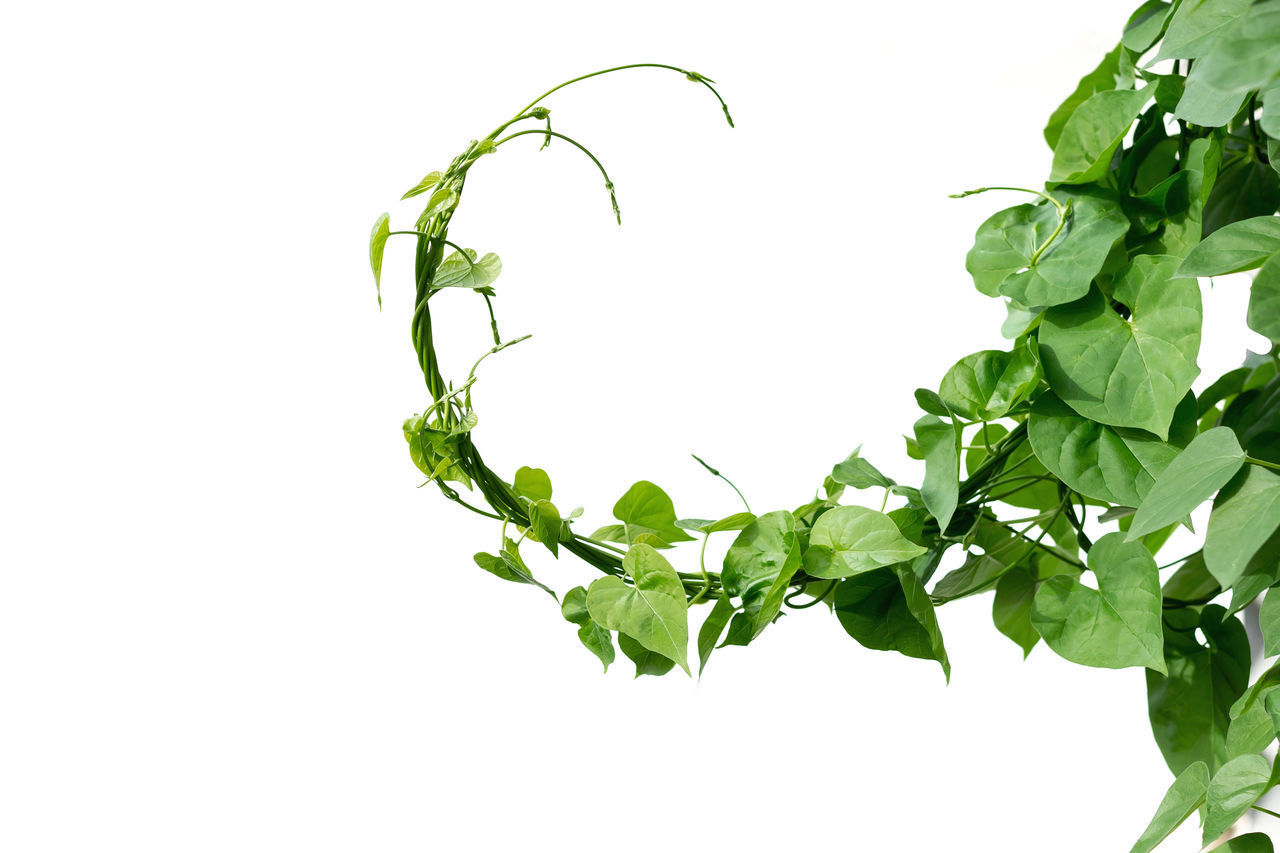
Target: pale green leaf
1245, 515
1205, 466
377, 247
1181, 801
653, 611
1240, 246
1115, 626
849, 540
1234, 788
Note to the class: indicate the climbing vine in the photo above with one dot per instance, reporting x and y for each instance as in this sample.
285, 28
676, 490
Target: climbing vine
1165, 171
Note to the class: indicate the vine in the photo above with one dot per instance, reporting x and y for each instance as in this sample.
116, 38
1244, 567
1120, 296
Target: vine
1165, 170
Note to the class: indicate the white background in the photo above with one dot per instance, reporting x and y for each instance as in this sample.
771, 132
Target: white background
229, 620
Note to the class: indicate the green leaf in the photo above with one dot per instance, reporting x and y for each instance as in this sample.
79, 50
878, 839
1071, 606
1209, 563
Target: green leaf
647, 662
423, 185
533, 483
858, 473
1245, 514
597, 640
458, 270
986, 385
1252, 842
1269, 617
1184, 797
760, 564
1146, 25
888, 610
1115, 626
940, 443
1190, 707
1245, 58
377, 246
1103, 78
1011, 608
647, 506
736, 521
1182, 232
1245, 187
1240, 246
653, 612
712, 628
1005, 244
1093, 133
1197, 24
545, 523
1127, 373
849, 540
1264, 300
1234, 788
509, 566
441, 201
1115, 465
1205, 466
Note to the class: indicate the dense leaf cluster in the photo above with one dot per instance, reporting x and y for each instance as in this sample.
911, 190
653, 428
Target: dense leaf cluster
1165, 170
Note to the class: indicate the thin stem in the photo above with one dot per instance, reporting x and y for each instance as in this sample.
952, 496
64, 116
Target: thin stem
1273, 466
1259, 808
608, 184
1057, 204
692, 76
716, 473
817, 599
702, 565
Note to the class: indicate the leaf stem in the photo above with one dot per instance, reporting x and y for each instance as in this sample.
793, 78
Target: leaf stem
608, 184
716, 473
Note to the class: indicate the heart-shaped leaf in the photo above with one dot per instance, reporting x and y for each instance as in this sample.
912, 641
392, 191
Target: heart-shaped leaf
849, 540
760, 564
1114, 626
653, 611
1127, 373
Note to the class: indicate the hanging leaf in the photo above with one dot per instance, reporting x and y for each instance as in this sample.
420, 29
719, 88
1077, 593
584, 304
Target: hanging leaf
653, 611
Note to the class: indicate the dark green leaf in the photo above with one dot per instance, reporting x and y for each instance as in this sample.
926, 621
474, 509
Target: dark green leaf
647, 662
712, 628
1011, 608
1264, 300
1190, 708
887, 609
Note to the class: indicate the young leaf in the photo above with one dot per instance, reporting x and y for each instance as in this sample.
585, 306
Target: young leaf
1115, 626
441, 201
1245, 515
1206, 465
888, 610
459, 271
1127, 373
1240, 246
986, 385
1234, 788
858, 473
653, 612
533, 483
940, 443
597, 640
544, 521
377, 246
1181, 801
849, 540
760, 564
712, 628
647, 506
423, 185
